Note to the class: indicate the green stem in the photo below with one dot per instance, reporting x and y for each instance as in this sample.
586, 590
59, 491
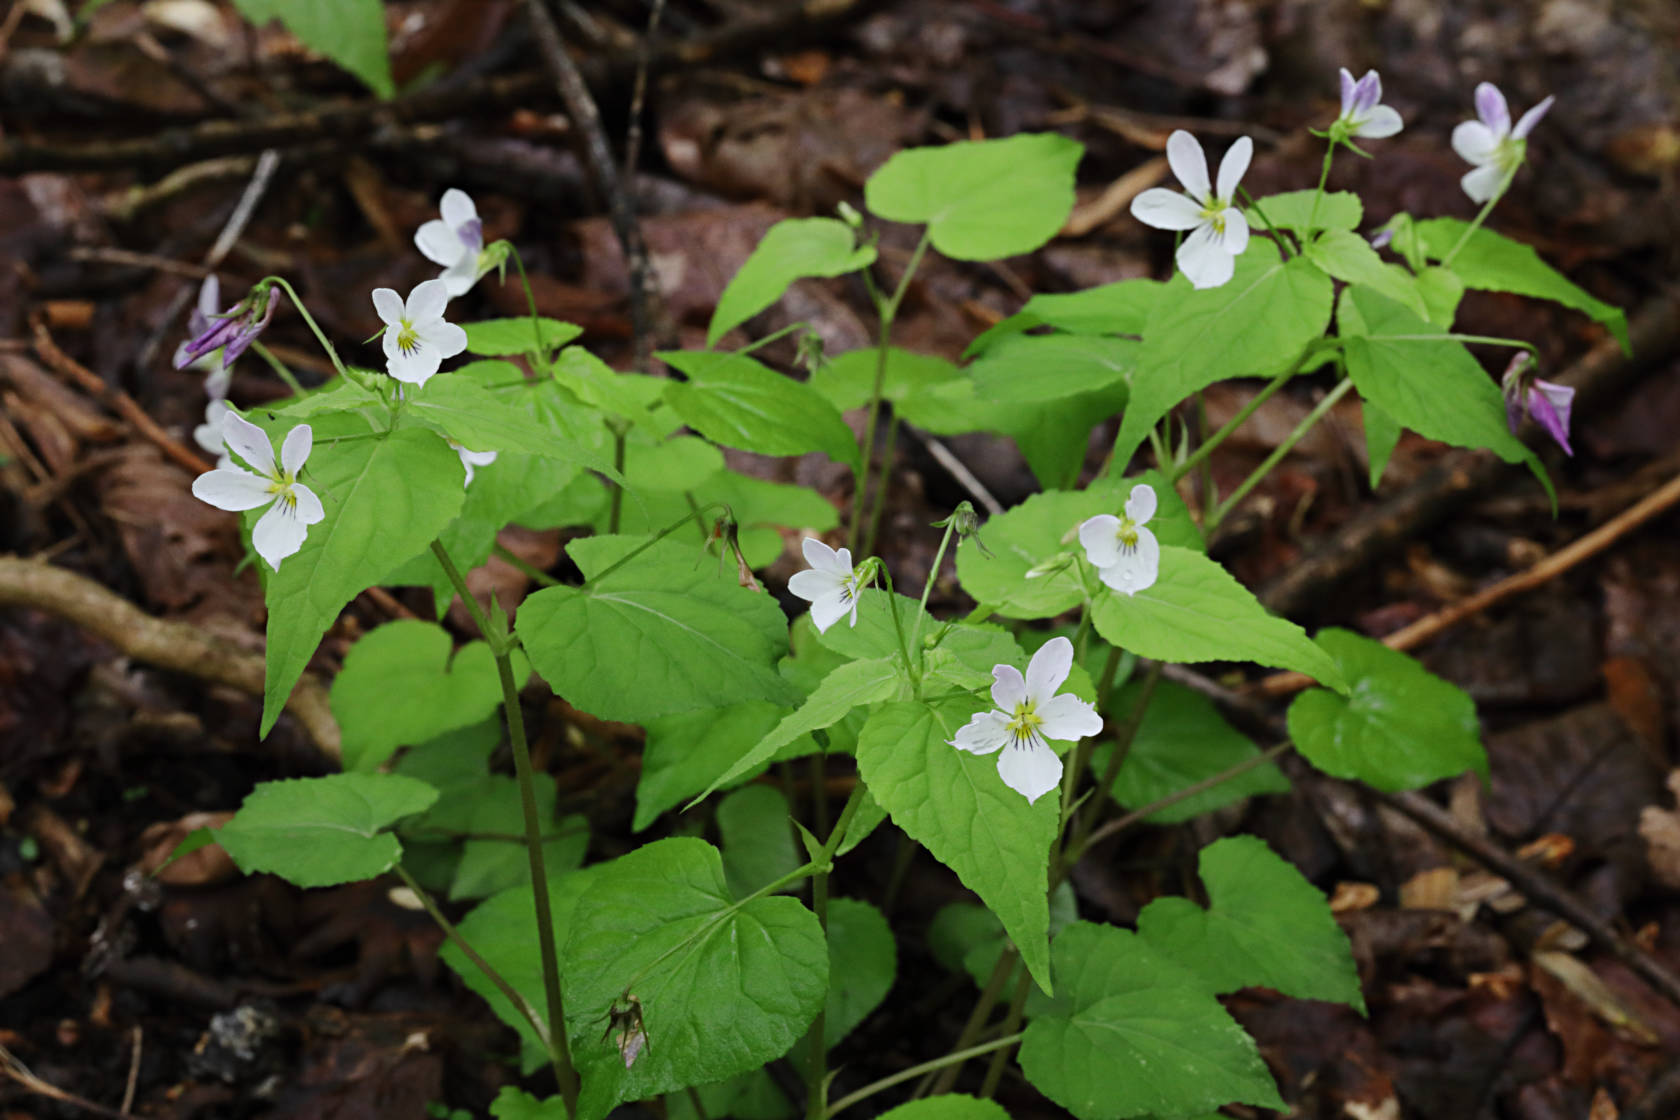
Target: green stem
933, 576
1002, 969
1127, 734
509, 992
816, 1069
1278, 453
1012, 1029
277, 366
560, 1050
874, 1087
888, 311
1323, 177
530, 571
771, 337
616, 509
541, 352
653, 540
878, 507
1232, 424
1481, 216
320, 336
1282, 239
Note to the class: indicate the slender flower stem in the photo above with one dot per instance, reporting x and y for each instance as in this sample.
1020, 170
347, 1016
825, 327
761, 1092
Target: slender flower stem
1002, 969
509, 992
1278, 453
816, 1071
758, 343
1323, 177
1011, 1028
1231, 425
1481, 216
560, 1050
541, 352
530, 571
277, 366
320, 336
878, 507
874, 1087
619, 432
933, 576
653, 540
1127, 734
1288, 247
888, 311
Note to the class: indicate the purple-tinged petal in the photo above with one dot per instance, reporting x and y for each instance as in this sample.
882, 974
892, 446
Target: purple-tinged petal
1188, 162
1491, 108
1513, 413
457, 208
471, 235
1530, 119
1367, 94
1349, 91
1550, 404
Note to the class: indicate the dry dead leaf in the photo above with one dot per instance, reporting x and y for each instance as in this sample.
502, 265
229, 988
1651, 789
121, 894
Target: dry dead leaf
1660, 829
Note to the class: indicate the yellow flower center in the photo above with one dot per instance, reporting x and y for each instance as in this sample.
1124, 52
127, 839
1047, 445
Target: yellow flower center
1024, 723
408, 339
1127, 533
1214, 213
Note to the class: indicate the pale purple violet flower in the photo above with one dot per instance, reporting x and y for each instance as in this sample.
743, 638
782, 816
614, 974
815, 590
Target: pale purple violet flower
1492, 144
1363, 113
1219, 231
1546, 401
231, 331
456, 241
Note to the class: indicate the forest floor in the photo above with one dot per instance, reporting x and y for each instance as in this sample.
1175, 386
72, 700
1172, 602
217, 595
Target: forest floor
221, 996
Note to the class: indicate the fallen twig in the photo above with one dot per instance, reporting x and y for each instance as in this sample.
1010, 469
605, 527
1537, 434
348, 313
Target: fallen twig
168, 645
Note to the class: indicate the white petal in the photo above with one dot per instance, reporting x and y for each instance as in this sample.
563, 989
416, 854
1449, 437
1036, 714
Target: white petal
824, 559
1530, 119
462, 275
217, 381
477, 458
1031, 771
1140, 507
210, 295
1235, 238
427, 301
309, 509
1009, 688
295, 450
439, 244
1204, 261
985, 733
457, 208
1484, 182
446, 338
232, 489
1166, 209
277, 534
1491, 108
829, 609
813, 584
1381, 122
1048, 669
416, 367
1185, 156
1474, 142
1097, 534
1234, 166
249, 442
1136, 568
1068, 718
389, 305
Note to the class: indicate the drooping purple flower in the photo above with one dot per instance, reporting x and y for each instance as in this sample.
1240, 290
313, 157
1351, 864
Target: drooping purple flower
1363, 113
231, 331
1492, 144
1546, 401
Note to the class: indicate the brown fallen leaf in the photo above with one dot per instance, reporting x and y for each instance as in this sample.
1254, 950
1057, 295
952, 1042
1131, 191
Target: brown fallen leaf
1660, 829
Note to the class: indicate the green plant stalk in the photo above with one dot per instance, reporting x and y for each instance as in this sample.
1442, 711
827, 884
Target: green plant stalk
1279, 452
878, 507
874, 1087
933, 576
541, 352
1208, 445
653, 540
888, 310
759, 343
616, 509
532, 572
910, 666
816, 1071
942, 1082
1288, 246
1323, 177
1121, 824
560, 1049
1123, 740
509, 992
1210, 496
277, 366
1011, 1029
320, 336
1481, 216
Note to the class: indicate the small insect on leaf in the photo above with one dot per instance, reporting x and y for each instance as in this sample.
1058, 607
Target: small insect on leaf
624, 1026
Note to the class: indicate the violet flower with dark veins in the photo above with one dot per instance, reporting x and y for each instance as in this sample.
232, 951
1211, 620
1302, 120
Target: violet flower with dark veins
1546, 401
231, 331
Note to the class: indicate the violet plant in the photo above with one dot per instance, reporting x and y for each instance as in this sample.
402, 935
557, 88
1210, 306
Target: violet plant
684, 969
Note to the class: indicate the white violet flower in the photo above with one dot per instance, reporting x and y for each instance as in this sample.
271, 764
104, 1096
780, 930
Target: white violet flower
1496, 148
472, 459
1363, 113
456, 241
831, 584
1219, 232
292, 506
208, 435
416, 337
1028, 713
1126, 555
